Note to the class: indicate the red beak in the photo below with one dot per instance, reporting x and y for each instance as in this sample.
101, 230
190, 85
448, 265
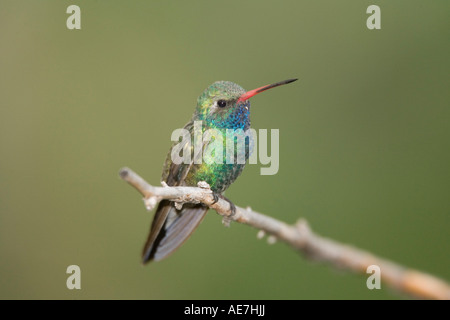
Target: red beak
251, 93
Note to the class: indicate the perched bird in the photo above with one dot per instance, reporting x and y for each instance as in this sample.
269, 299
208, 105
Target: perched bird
223, 105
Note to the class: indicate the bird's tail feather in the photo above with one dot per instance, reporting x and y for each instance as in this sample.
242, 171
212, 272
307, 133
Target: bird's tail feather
171, 228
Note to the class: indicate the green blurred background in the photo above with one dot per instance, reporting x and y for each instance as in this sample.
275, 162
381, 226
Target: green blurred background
364, 142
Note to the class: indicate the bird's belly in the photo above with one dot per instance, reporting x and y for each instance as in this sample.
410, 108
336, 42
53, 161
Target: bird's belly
218, 176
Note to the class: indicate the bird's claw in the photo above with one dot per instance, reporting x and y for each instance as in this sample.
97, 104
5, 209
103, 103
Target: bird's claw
232, 208
216, 198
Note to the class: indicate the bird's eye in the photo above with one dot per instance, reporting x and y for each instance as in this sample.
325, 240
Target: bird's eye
222, 103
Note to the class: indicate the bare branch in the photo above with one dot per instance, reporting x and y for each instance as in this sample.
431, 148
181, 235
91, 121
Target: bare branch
298, 236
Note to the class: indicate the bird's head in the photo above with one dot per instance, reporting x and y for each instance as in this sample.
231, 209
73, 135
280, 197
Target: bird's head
225, 104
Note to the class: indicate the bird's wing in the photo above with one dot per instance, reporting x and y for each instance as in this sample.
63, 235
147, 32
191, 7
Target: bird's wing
171, 227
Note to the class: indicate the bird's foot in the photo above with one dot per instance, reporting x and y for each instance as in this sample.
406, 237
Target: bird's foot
232, 207
226, 219
217, 196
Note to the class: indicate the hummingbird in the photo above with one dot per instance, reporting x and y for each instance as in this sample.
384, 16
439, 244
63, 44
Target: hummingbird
223, 105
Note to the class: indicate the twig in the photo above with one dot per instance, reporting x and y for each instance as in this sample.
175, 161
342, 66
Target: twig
298, 236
